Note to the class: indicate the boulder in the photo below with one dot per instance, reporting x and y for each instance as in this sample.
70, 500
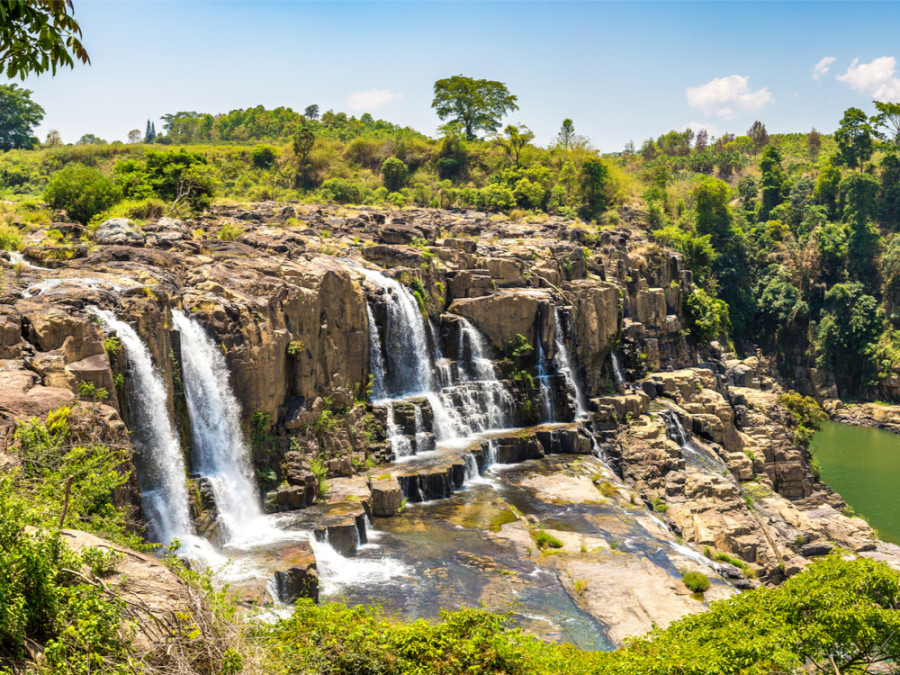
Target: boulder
119, 232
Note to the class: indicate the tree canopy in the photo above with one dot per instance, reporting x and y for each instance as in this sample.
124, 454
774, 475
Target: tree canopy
37, 36
472, 104
18, 116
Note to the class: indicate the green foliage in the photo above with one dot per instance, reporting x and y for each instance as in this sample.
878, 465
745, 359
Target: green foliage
264, 156
472, 104
659, 505
229, 232
808, 414
395, 173
18, 113
516, 348
847, 332
544, 539
37, 36
11, 238
320, 470
82, 192
854, 138
90, 390
260, 429
111, 345
707, 316
696, 582
295, 348
731, 560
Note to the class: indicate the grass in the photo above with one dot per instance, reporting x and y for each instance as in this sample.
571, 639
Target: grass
544, 540
697, 582
712, 554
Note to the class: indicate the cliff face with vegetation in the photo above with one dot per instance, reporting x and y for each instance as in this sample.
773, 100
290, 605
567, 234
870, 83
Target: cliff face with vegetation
699, 437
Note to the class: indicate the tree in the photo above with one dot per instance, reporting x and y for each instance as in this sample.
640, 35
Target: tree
758, 134
566, 134
888, 119
813, 143
134, 136
517, 137
18, 116
475, 104
312, 112
81, 191
38, 35
702, 140
150, 134
53, 138
854, 138
394, 172
90, 139
775, 184
302, 144
847, 331
594, 186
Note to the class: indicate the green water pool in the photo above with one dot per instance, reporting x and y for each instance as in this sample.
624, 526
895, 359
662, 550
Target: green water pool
863, 465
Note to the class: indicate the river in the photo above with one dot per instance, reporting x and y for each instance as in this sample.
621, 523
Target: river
863, 465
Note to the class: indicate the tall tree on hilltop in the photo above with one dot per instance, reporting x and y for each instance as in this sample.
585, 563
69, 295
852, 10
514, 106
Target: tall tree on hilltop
566, 134
888, 119
475, 104
854, 138
758, 134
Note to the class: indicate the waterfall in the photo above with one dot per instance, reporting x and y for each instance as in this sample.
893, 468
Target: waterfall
408, 365
376, 359
548, 409
565, 369
618, 373
471, 466
220, 453
399, 441
479, 401
422, 443
162, 469
17, 258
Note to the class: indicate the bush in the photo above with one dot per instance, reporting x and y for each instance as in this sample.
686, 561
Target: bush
394, 172
10, 238
344, 191
696, 581
263, 156
706, 314
82, 192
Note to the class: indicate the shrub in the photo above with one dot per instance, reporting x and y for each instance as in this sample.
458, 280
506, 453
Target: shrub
696, 581
344, 191
707, 315
10, 238
81, 191
394, 172
229, 232
263, 156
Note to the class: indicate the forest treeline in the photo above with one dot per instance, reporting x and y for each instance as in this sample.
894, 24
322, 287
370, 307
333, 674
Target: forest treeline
791, 237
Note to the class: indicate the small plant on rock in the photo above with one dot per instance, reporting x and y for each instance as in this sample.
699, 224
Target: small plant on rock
696, 582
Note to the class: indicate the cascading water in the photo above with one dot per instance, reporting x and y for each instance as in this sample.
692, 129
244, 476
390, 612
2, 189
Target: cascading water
220, 453
161, 462
376, 359
399, 441
548, 409
618, 373
692, 453
408, 365
564, 367
479, 401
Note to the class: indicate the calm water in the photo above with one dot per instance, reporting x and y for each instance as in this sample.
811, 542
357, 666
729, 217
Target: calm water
863, 465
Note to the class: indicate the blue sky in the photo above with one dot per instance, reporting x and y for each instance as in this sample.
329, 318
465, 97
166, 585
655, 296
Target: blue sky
621, 71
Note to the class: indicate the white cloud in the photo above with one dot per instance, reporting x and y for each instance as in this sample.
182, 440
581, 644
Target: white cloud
821, 68
877, 79
723, 94
360, 101
711, 129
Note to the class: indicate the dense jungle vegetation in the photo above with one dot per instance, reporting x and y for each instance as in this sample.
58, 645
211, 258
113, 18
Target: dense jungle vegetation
791, 237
